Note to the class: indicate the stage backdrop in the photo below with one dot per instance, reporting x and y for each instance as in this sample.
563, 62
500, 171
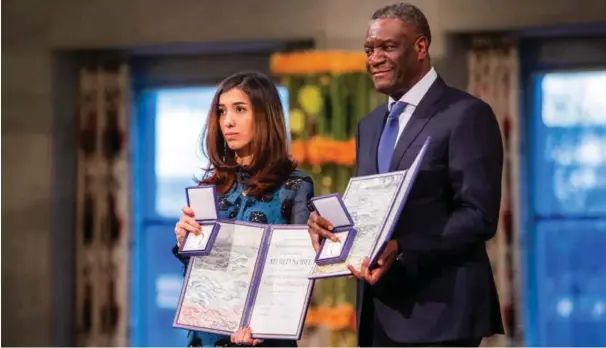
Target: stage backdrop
329, 93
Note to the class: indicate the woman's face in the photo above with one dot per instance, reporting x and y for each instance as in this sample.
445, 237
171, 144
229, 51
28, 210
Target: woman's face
236, 118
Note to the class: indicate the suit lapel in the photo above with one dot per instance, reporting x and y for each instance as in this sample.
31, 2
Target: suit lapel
422, 114
379, 117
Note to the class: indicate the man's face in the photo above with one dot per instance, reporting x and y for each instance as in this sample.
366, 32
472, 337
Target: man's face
394, 55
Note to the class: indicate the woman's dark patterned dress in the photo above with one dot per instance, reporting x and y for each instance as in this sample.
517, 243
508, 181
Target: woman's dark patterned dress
289, 204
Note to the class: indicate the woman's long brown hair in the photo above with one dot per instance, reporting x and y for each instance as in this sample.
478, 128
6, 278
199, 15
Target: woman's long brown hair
271, 164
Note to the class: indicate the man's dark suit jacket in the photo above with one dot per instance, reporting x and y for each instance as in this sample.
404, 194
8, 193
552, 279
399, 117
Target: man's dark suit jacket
441, 287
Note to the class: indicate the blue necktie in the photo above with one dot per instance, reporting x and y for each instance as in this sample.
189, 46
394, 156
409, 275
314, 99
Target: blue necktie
389, 136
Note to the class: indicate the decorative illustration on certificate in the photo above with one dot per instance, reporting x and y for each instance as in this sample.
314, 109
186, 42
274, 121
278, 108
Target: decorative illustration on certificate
255, 275
217, 286
374, 203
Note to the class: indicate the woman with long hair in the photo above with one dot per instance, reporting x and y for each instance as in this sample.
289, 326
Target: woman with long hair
247, 145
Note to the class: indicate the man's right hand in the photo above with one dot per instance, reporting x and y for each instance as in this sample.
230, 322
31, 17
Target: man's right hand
319, 229
186, 223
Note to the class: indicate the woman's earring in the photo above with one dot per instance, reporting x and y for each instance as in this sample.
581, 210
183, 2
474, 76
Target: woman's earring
224, 150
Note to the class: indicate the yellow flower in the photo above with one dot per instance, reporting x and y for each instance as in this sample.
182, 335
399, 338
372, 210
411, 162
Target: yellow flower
297, 121
310, 99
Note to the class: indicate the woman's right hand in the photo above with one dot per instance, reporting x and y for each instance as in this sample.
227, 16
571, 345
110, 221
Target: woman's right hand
186, 224
319, 228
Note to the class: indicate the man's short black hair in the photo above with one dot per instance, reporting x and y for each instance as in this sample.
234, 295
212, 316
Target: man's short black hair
407, 13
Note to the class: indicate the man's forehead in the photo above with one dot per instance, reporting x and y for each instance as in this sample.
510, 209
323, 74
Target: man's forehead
382, 27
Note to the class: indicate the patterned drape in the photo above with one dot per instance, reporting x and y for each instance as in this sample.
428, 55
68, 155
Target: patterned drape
102, 226
329, 93
493, 76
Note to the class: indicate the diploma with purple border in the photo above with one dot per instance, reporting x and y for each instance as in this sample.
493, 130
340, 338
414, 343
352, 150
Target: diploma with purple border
331, 208
203, 201
255, 275
374, 203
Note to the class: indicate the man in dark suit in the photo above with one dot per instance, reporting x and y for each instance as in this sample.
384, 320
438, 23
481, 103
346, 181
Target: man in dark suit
433, 284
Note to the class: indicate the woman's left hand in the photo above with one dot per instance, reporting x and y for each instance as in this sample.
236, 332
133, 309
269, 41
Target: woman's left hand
244, 336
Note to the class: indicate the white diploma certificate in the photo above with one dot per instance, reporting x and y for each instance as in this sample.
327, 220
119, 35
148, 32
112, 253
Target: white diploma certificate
284, 291
255, 275
217, 286
374, 203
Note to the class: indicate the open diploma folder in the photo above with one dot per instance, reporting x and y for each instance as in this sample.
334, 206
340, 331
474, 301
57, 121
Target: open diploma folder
255, 275
374, 203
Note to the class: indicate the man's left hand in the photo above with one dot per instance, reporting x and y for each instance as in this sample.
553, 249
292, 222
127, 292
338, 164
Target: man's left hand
384, 262
244, 337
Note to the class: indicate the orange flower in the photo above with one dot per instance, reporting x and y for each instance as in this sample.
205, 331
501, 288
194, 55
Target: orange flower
348, 153
342, 317
353, 324
312, 319
315, 316
312, 62
347, 311
314, 151
331, 150
297, 149
336, 322
321, 150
